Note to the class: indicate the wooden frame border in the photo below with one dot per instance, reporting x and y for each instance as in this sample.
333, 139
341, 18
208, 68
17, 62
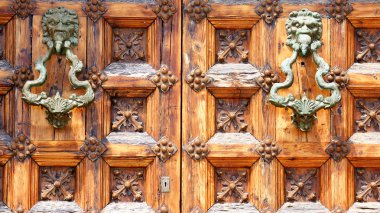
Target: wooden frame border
35, 182
151, 183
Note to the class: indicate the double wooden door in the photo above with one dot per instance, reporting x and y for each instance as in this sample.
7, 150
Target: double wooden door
180, 117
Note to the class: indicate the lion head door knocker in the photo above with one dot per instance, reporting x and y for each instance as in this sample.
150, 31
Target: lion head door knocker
60, 33
304, 30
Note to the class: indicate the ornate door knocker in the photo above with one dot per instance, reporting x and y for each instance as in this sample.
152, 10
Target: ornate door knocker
60, 33
304, 30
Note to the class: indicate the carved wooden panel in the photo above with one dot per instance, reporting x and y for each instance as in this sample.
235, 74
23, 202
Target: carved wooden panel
367, 45
57, 183
367, 115
2, 41
232, 115
129, 45
231, 185
302, 184
232, 46
367, 183
127, 184
128, 114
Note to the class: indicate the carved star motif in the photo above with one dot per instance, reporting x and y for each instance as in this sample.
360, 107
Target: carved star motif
56, 185
127, 185
232, 186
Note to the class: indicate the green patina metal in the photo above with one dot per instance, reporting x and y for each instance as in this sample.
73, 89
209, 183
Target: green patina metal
60, 33
304, 30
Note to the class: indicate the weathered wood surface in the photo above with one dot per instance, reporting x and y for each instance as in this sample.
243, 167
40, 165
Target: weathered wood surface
132, 70
130, 207
56, 206
133, 138
370, 207
365, 138
4, 208
300, 207
233, 207
233, 75
233, 138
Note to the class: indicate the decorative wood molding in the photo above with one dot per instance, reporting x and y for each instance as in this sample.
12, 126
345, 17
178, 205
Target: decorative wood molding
163, 209
94, 9
268, 78
370, 115
23, 8
197, 149
164, 9
196, 209
368, 46
21, 75
57, 183
231, 44
338, 149
231, 184
95, 77
339, 9
197, 79
301, 187
268, 149
20, 208
126, 115
269, 10
129, 46
230, 115
338, 210
198, 10
267, 208
338, 76
127, 183
21, 147
93, 148
367, 185
164, 79
164, 149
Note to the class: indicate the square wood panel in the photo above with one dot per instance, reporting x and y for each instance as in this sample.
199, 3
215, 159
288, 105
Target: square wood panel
367, 115
127, 184
233, 115
302, 184
367, 45
231, 185
128, 114
57, 183
232, 46
366, 184
129, 45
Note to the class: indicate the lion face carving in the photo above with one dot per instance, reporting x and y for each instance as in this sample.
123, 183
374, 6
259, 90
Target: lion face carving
60, 28
304, 30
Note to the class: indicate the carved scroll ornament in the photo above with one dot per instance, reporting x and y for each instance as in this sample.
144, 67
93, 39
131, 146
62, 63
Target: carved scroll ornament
60, 33
304, 29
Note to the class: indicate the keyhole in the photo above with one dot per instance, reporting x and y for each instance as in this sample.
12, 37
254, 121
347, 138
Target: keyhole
302, 64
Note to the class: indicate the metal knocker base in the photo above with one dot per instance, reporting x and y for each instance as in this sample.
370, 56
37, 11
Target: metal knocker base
304, 30
60, 33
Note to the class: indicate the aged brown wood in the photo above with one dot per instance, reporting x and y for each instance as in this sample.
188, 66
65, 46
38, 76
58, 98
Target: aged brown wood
333, 147
218, 78
89, 145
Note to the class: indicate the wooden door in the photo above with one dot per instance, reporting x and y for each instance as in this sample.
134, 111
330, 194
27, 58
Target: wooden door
243, 154
120, 152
